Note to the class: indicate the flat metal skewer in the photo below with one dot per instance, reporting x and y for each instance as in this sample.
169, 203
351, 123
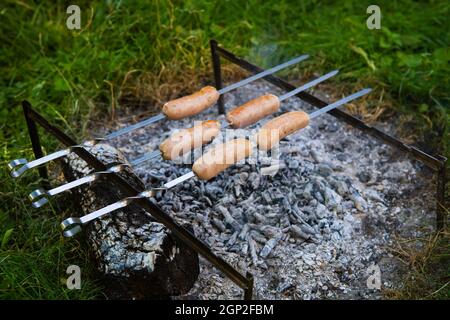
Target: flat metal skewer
39, 197
339, 103
308, 85
25, 165
72, 226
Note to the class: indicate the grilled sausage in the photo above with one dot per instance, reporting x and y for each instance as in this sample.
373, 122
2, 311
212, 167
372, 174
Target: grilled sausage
221, 157
253, 110
192, 104
276, 129
189, 139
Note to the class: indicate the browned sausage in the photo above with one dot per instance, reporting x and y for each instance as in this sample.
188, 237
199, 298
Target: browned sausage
276, 129
253, 110
189, 139
221, 157
192, 104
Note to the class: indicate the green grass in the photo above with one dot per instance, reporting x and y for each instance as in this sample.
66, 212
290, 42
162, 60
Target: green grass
139, 46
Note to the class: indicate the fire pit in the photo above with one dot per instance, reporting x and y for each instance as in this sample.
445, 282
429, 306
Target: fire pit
307, 231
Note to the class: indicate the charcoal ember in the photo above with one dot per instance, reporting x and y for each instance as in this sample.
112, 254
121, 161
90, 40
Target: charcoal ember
232, 240
340, 186
228, 219
332, 199
269, 231
244, 249
306, 228
321, 211
364, 176
259, 217
374, 195
136, 257
255, 180
285, 286
293, 164
253, 251
270, 245
267, 197
296, 231
258, 237
219, 224
308, 191
298, 215
237, 214
358, 200
324, 169
244, 231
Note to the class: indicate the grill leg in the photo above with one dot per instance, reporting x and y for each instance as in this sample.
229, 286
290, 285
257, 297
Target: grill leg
248, 292
440, 196
35, 141
217, 74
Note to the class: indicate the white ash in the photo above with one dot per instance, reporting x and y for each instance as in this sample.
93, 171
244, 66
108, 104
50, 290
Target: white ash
312, 229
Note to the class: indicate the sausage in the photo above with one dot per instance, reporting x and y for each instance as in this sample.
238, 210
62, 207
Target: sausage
253, 110
221, 157
189, 139
192, 104
276, 129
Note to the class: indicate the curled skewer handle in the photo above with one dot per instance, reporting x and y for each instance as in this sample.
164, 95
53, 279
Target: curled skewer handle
15, 163
15, 172
38, 198
72, 226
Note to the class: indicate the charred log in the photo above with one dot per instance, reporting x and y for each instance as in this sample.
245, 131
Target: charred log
137, 257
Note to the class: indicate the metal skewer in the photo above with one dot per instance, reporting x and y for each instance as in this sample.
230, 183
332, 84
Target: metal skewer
72, 226
39, 197
25, 165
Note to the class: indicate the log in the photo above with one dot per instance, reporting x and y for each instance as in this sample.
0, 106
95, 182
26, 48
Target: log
135, 256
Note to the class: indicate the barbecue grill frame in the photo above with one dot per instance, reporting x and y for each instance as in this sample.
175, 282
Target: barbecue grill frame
435, 163
33, 118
